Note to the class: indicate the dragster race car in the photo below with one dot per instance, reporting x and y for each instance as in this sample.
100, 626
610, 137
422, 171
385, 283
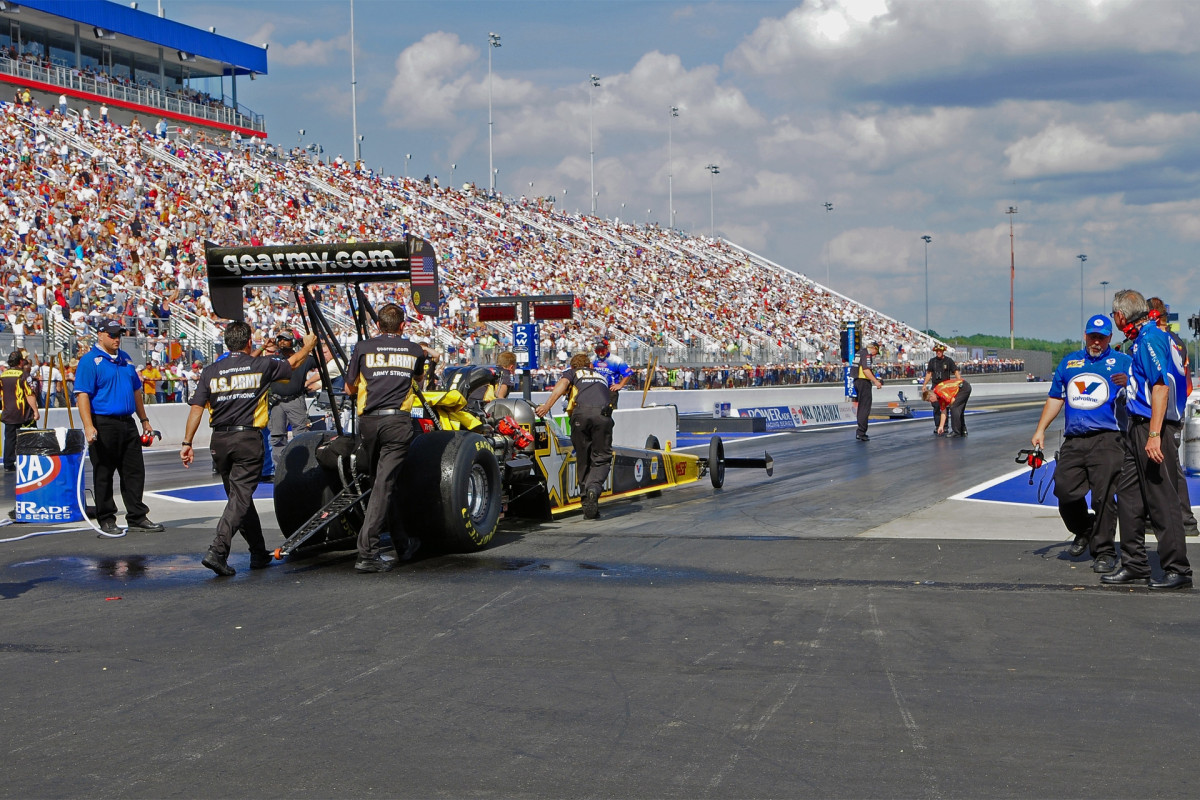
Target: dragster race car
464, 471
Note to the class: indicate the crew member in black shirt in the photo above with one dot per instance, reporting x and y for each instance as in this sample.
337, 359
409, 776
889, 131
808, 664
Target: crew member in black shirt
18, 405
234, 390
500, 387
590, 411
380, 376
937, 369
286, 400
863, 370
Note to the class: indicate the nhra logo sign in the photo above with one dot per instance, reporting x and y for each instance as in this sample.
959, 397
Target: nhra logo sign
1087, 390
35, 472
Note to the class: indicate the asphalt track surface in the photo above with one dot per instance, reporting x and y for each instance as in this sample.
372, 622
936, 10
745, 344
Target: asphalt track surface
794, 636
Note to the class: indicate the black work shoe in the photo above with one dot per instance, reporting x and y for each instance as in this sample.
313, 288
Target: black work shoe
1123, 577
1172, 580
1104, 564
144, 525
1190, 529
1078, 546
110, 527
591, 503
218, 564
862, 437
260, 560
411, 546
267, 478
374, 564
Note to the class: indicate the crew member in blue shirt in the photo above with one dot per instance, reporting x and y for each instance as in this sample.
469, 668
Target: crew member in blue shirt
613, 368
1155, 398
108, 392
1087, 384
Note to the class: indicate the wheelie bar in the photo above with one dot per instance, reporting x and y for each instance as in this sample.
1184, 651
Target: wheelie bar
766, 462
333, 511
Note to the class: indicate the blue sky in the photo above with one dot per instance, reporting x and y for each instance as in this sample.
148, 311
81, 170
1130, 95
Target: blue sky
911, 117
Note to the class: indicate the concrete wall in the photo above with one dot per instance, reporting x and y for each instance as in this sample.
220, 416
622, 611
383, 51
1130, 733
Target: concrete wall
700, 401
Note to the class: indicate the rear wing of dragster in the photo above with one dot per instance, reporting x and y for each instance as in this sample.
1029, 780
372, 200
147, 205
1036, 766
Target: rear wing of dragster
232, 269
301, 266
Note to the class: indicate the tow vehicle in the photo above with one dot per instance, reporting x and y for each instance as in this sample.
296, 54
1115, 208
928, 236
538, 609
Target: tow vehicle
464, 471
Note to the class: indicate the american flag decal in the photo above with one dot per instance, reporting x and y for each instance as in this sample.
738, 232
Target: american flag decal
423, 270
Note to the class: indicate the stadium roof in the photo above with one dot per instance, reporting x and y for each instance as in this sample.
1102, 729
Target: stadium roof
142, 33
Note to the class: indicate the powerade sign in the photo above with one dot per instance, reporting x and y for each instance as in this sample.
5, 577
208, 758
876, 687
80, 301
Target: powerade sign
784, 417
526, 343
778, 417
45, 490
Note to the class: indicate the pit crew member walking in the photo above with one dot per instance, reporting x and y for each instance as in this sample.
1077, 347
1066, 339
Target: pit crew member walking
591, 427
1155, 399
108, 391
937, 369
234, 390
1087, 384
864, 380
380, 376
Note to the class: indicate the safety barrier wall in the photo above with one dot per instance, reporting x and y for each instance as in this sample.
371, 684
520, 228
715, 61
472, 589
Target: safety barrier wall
701, 401
633, 425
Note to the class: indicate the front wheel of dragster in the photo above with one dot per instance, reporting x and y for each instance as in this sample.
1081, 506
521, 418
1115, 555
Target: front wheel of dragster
450, 491
716, 462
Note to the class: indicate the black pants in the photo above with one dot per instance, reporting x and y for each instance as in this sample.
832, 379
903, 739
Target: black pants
238, 457
118, 450
386, 440
863, 388
958, 409
10, 444
1146, 488
591, 435
1090, 464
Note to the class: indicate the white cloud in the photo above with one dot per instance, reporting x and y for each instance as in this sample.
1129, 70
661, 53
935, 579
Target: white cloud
1064, 149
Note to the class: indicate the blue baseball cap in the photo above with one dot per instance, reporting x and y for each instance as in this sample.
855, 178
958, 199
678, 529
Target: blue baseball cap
1099, 324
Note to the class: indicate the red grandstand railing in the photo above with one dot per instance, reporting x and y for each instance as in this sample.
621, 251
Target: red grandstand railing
165, 111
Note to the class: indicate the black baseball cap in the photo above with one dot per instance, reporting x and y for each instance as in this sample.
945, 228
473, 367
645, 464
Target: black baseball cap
111, 327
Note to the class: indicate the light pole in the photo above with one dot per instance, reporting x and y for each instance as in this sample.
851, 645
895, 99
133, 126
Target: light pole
300, 139
493, 41
713, 169
452, 166
927, 240
353, 90
1082, 319
595, 202
1012, 277
1104, 309
495, 178
407, 156
670, 170
647, 217
828, 208
594, 82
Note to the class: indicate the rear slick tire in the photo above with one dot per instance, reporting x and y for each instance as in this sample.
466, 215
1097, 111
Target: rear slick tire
451, 492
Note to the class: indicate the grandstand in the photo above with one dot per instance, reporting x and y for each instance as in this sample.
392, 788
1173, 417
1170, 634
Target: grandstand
110, 220
119, 217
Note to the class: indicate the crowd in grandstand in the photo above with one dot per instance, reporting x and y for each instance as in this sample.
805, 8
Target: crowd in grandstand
101, 220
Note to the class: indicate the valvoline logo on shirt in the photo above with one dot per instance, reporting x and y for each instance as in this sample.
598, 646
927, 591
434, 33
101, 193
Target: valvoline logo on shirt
1086, 391
34, 472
